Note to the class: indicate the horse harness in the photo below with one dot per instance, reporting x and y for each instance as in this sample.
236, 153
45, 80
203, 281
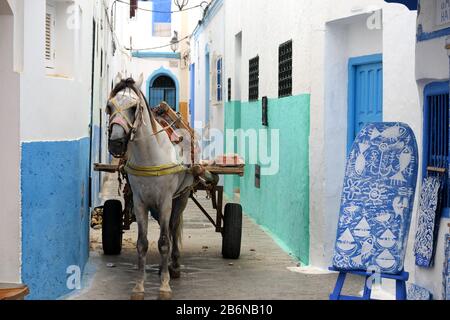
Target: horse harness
131, 129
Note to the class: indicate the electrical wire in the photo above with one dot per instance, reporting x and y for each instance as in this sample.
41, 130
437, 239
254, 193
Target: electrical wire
124, 49
157, 11
159, 47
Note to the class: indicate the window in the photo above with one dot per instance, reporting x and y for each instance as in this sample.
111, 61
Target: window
253, 84
162, 18
50, 36
285, 69
229, 89
163, 88
63, 21
219, 80
436, 146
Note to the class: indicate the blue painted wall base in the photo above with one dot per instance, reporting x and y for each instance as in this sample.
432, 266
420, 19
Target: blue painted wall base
55, 214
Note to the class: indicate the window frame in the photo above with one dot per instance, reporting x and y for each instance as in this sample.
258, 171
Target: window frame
285, 72
253, 79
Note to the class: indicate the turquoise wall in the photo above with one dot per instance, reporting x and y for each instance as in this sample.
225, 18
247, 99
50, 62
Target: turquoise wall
232, 121
281, 205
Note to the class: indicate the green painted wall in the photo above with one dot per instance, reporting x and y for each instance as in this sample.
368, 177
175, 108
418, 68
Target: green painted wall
232, 121
281, 205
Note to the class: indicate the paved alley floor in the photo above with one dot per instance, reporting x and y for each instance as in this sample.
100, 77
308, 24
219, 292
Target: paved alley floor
261, 273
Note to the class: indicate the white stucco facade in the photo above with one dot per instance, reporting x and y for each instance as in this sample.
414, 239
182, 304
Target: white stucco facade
325, 35
10, 245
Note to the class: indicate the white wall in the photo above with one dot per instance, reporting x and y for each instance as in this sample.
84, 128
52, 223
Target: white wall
10, 244
432, 65
325, 35
211, 36
54, 108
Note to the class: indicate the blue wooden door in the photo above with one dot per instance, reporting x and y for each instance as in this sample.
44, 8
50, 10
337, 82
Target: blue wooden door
368, 95
157, 95
207, 88
192, 94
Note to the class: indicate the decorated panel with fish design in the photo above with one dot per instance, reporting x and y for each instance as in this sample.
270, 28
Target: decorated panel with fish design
446, 271
377, 199
426, 224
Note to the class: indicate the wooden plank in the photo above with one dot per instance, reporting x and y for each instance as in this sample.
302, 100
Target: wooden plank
435, 169
226, 170
13, 292
111, 168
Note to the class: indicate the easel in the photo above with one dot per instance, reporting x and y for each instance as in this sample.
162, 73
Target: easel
400, 284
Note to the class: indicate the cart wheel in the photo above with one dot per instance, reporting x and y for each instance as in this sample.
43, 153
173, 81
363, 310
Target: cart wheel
112, 228
232, 231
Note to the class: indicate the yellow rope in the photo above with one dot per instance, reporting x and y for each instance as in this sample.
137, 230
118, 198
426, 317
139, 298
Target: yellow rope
155, 171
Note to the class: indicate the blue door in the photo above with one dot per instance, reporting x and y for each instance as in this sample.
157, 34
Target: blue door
192, 94
163, 89
366, 93
207, 88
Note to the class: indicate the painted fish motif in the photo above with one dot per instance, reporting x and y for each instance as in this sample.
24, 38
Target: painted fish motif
404, 161
383, 217
400, 204
366, 251
360, 163
392, 133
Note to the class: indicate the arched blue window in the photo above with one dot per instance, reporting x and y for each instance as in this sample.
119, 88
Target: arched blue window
163, 89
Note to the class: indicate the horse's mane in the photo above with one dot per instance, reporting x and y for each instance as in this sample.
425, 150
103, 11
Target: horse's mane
129, 83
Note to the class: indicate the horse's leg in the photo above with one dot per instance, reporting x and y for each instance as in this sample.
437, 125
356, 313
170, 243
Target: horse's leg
164, 246
176, 224
142, 243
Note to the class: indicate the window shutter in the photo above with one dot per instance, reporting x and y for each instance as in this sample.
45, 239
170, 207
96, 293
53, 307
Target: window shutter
219, 79
214, 79
50, 37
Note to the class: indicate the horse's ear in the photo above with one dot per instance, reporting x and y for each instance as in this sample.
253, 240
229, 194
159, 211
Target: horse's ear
118, 78
140, 81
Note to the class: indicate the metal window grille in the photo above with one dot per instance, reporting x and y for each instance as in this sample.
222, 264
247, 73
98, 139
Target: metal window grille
50, 36
438, 135
285, 69
219, 79
253, 84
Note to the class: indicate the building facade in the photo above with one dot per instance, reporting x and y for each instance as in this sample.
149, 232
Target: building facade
432, 75
326, 68
48, 98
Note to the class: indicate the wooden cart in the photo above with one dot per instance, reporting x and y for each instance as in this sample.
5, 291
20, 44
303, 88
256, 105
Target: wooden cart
226, 220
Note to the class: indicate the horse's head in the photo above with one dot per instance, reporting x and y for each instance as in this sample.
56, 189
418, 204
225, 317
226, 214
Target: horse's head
125, 108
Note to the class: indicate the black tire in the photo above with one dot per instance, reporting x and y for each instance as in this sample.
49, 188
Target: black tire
112, 228
232, 231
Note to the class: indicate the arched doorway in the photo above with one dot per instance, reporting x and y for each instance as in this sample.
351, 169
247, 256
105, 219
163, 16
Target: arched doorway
10, 242
163, 85
163, 89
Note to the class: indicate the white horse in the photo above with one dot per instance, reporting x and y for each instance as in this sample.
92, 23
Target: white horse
160, 184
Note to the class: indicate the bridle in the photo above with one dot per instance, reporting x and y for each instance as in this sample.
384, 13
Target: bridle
119, 117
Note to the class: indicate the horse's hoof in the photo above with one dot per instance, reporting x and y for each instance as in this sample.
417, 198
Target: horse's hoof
174, 273
137, 296
165, 295
138, 289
